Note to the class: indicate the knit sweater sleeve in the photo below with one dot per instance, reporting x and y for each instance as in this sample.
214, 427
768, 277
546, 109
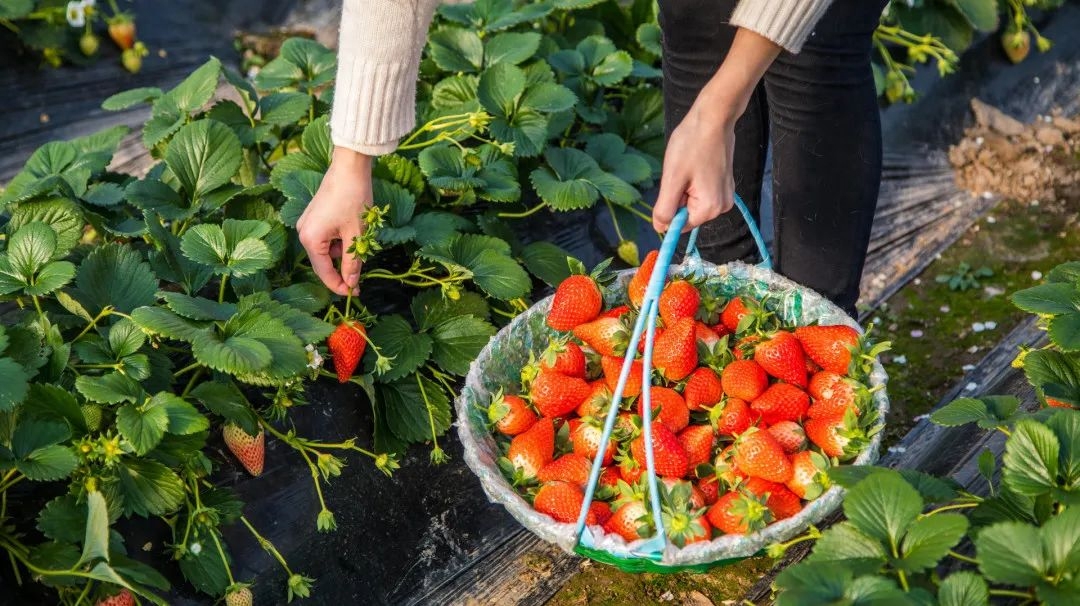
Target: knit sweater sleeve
378, 60
785, 22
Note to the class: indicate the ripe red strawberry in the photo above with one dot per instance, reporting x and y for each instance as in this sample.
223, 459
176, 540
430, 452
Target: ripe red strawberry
534, 449
629, 470
744, 347
250, 450
612, 367
732, 417
781, 502
681, 490
599, 514
560, 500
347, 344
624, 424
656, 337
758, 454
631, 521
808, 477
570, 467
679, 299
577, 300
790, 435
564, 357
744, 379
122, 598
698, 441
586, 442
675, 351
703, 388
609, 477
510, 414
122, 31
727, 471
635, 290
1055, 403
596, 405
605, 336
833, 394
733, 313
555, 394
669, 456
782, 357
781, 402
668, 407
705, 335
615, 312
240, 596
829, 346
710, 489
736, 513
837, 435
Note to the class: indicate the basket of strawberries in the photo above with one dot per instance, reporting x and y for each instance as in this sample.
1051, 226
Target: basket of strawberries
677, 418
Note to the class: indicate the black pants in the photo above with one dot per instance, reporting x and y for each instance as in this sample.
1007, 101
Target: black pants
820, 108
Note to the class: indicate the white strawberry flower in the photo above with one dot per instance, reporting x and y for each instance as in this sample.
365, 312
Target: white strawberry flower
195, 548
76, 14
315, 359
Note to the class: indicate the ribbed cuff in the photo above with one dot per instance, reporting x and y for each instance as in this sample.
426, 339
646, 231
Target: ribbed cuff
373, 105
785, 22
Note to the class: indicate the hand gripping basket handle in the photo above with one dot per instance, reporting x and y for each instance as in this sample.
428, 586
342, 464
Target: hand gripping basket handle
652, 548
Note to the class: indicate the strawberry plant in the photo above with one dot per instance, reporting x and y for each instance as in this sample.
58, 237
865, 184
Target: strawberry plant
63, 31
906, 539
148, 317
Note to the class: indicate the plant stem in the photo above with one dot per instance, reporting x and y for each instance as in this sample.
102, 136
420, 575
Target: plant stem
267, 546
431, 417
85, 592
614, 220
186, 369
37, 306
191, 382
104, 312
221, 289
221, 553
949, 508
525, 213
1009, 593
962, 557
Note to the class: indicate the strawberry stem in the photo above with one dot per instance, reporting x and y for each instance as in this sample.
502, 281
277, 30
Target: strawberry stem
267, 546
963, 558
952, 507
221, 288
438, 455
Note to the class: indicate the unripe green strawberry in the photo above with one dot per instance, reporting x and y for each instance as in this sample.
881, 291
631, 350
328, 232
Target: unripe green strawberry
88, 44
239, 597
92, 414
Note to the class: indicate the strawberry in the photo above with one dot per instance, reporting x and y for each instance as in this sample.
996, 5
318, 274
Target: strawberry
240, 596
808, 477
781, 402
609, 477
250, 450
703, 388
681, 492
1016, 43
726, 469
733, 313
560, 500
790, 435
835, 394
613, 366
577, 300
829, 346
675, 351
781, 502
782, 357
629, 470
605, 336
669, 456
555, 394
123, 598
710, 489
635, 290
631, 521
705, 335
1055, 403
532, 450
347, 344
586, 442
122, 31
510, 414
698, 441
599, 514
744, 379
89, 43
564, 357
838, 435
624, 424
668, 407
596, 405
131, 59
681, 511
732, 417
656, 337
93, 415
678, 300
744, 347
570, 467
616, 312
737, 513
758, 454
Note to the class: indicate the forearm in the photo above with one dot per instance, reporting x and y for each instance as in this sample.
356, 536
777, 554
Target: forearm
378, 59
726, 95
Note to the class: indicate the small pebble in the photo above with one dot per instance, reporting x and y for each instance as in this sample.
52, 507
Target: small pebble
917, 281
1047, 119
898, 449
967, 367
1034, 202
667, 596
971, 387
978, 327
1036, 275
901, 359
945, 309
979, 140
1035, 79
991, 325
991, 220
916, 334
973, 349
993, 291
987, 195
918, 418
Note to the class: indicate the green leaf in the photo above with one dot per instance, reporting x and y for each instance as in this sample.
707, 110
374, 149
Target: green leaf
929, 540
1064, 331
154, 196
225, 399
16, 9
138, 573
403, 171
1014, 554
845, 541
235, 353
63, 519
548, 97
33, 435
300, 324
104, 194
988, 412
184, 419
316, 62
511, 48
526, 128
198, 308
883, 506
30, 248
51, 277
395, 338
500, 276
611, 154
1031, 459
1045, 367
457, 341
162, 322
204, 155
613, 68
55, 556
981, 14
197, 89
938, 19
114, 275
1061, 542
111, 388
149, 488
963, 589
124, 100
284, 108
563, 184
125, 338
430, 308
456, 50
52, 402
1066, 272
299, 187
434, 227
14, 387
407, 410
1052, 298
499, 88
648, 36
63, 216
165, 120
96, 540
143, 425
304, 296
546, 261
401, 201
234, 248
48, 464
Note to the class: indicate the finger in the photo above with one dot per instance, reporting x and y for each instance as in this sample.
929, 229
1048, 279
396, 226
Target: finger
323, 266
668, 200
335, 249
350, 265
700, 210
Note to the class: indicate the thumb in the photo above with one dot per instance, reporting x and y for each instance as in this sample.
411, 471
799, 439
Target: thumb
350, 263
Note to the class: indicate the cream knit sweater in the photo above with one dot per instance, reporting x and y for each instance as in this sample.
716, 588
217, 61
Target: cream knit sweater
381, 42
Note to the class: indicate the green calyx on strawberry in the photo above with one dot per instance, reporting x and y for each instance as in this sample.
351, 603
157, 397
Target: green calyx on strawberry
510, 414
684, 523
809, 477
742, 315
739, 513
841, 349
843, 436
605, 336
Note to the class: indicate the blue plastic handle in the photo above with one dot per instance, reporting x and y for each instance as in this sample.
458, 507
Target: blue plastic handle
652, 548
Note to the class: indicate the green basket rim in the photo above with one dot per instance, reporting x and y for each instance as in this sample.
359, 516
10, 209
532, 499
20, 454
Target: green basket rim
639, 565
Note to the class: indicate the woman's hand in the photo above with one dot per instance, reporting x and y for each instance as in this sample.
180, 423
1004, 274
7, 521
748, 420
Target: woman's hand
334, 218
699, 157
